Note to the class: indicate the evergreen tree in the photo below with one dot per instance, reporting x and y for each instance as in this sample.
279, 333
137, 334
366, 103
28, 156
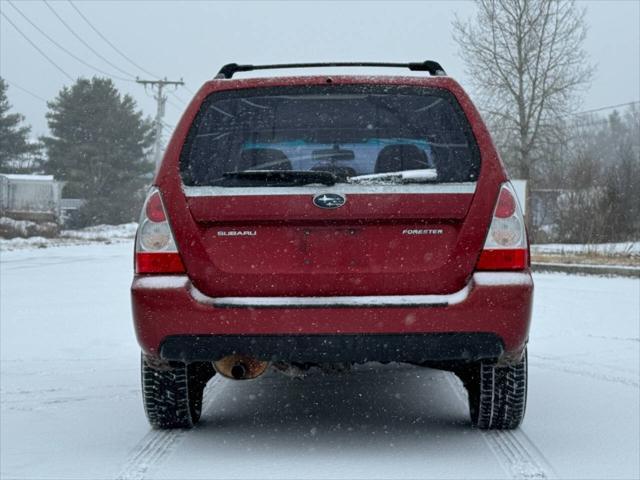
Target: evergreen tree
15, 147
98, 145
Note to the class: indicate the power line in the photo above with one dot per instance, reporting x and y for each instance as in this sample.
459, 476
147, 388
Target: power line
36, 47
64, 49
118, 51
14, 84
576, 125
608, 107
178, 97
177, 107
109, 43
84, 42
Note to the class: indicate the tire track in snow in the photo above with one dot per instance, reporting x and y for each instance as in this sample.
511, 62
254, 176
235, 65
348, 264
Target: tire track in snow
153, 446
30, 264
572, 368
158, 444
516, 453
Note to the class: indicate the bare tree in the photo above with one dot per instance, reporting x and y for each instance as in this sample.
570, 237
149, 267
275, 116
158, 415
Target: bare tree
526, 61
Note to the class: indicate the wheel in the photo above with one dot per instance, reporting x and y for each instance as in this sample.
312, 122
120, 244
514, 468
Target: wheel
497, 394
172, 393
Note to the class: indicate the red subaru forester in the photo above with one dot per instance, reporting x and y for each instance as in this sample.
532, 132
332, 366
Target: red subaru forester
324, 221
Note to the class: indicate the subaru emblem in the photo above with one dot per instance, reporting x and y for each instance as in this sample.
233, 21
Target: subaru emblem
329, 200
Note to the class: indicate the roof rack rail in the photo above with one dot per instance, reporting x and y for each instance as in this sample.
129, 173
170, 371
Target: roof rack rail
430, 66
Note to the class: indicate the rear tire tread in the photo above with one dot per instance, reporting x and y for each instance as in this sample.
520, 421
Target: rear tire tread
497, 395
172, 397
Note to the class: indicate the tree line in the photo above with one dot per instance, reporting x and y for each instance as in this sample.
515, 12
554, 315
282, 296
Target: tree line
594, 165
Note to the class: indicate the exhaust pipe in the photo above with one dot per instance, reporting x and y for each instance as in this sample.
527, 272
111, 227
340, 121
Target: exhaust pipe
240, 367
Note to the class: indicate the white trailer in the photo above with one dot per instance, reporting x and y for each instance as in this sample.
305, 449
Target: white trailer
30, 197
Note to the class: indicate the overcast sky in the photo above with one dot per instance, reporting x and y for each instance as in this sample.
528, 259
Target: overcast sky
191, 40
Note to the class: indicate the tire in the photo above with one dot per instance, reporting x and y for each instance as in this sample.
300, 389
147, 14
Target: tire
497, 394
172, 393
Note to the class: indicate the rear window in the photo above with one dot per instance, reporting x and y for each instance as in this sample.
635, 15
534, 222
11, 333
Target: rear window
346, 130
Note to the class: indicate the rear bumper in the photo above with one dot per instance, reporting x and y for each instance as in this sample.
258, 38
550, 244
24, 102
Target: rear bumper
418, 348
489, 318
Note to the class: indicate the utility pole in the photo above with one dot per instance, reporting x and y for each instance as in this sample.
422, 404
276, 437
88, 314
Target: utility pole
158, 86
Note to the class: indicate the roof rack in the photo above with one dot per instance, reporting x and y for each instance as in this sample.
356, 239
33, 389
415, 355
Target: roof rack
430, 66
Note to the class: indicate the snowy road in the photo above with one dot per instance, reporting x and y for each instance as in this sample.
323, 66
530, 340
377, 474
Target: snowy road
71, 408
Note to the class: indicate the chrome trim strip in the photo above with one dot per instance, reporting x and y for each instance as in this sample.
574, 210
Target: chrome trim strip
340, 189
373, 301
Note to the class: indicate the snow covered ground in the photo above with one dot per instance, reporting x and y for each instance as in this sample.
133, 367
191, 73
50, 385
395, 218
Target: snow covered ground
621, 248
71, 408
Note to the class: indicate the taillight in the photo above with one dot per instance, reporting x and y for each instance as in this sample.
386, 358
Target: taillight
506, 205
154, 209
156, 250
506, 246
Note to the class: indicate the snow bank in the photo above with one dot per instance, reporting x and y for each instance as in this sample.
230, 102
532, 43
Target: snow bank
98, 233
10, 228
622, 248
101, 232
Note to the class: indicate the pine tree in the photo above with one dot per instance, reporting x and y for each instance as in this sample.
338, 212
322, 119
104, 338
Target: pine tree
98, 145
15, 147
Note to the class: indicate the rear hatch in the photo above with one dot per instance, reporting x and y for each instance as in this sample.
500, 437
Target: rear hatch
333, 190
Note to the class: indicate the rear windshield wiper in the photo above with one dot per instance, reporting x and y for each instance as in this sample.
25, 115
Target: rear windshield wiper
279, 177
423, 175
